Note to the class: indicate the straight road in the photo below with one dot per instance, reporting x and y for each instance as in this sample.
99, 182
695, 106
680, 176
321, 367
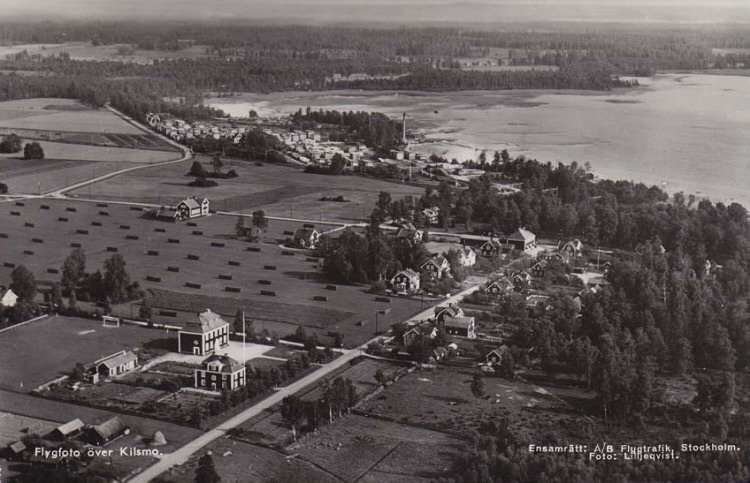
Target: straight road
184, 453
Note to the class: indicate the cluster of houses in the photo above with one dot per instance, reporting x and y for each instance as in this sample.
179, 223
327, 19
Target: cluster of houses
99, 434
181, 130
307, 147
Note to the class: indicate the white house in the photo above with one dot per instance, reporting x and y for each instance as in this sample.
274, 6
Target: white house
117, 364
405, 281
219, 372
191, 208
436, 268
306, 237
9, 299
467, 257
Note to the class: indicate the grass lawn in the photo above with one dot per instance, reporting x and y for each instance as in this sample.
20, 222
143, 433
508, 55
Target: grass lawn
38, 352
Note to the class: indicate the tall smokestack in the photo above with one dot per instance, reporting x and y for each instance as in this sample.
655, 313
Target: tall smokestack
403, 127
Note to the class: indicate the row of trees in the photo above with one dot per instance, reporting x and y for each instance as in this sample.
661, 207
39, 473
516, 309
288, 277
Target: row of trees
374, 129
114, 285
308, 415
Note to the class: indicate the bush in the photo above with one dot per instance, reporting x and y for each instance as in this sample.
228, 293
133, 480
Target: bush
3, 188
11, 144
202, 182
33, 151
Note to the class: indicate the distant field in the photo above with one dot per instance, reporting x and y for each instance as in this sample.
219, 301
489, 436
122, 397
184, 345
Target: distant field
279, 190
63, 114
82, 152
14, 427
86, 51
295, 280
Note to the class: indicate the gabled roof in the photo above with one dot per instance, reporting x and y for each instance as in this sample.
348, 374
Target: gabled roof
459, 322
9, 298
467, 251
207, 321
190, 203
408, 272
119, 360
522, 235
305, 233
425, 329
70, 427
111, 427
451, 311
499, 351
17, 447
228, 365
438, 262
500, 282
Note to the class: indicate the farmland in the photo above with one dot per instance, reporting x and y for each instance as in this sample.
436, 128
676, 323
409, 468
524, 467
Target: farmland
100, 231
79, 143
61, 114
278, 190
352, 448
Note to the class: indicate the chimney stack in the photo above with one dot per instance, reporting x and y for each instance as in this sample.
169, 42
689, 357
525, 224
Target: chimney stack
403, 128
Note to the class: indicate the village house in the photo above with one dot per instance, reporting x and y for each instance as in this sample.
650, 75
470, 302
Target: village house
496, 356
571, 247
522, 240
9, 299
491, 248
116, 364
467, 257
452, 310
460, 326
15, 450
436, 268
556, 256
440, 353
191, 208
68, 430
500, 286
521, 280
409, 233
107, 432
220, 372
405, 281
306, 237
538, 269
431, 215
204, 335
424, 331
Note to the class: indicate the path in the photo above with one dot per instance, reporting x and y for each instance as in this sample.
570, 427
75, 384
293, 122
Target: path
182, 455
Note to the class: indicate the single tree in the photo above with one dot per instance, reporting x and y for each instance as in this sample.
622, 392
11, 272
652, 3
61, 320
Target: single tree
56, 296
73, 271
239, 227
477, 386
292, 412
260, 222
197, 170
206, 471
380, 377
116, 278
23, 283
217, 163
145, 311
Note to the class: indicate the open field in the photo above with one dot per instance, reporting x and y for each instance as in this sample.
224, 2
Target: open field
84, 152
43, 175
279, 190
58, 344
295, 279
441, 399
61, 114
86, 51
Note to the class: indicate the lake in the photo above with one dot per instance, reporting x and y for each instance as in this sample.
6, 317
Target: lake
684, 132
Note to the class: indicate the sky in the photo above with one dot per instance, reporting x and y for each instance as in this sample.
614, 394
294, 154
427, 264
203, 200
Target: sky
397, 11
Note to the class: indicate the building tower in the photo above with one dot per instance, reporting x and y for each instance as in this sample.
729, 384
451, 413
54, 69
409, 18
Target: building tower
403, 127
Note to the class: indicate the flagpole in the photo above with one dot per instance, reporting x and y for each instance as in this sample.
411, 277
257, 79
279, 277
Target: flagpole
244, 335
